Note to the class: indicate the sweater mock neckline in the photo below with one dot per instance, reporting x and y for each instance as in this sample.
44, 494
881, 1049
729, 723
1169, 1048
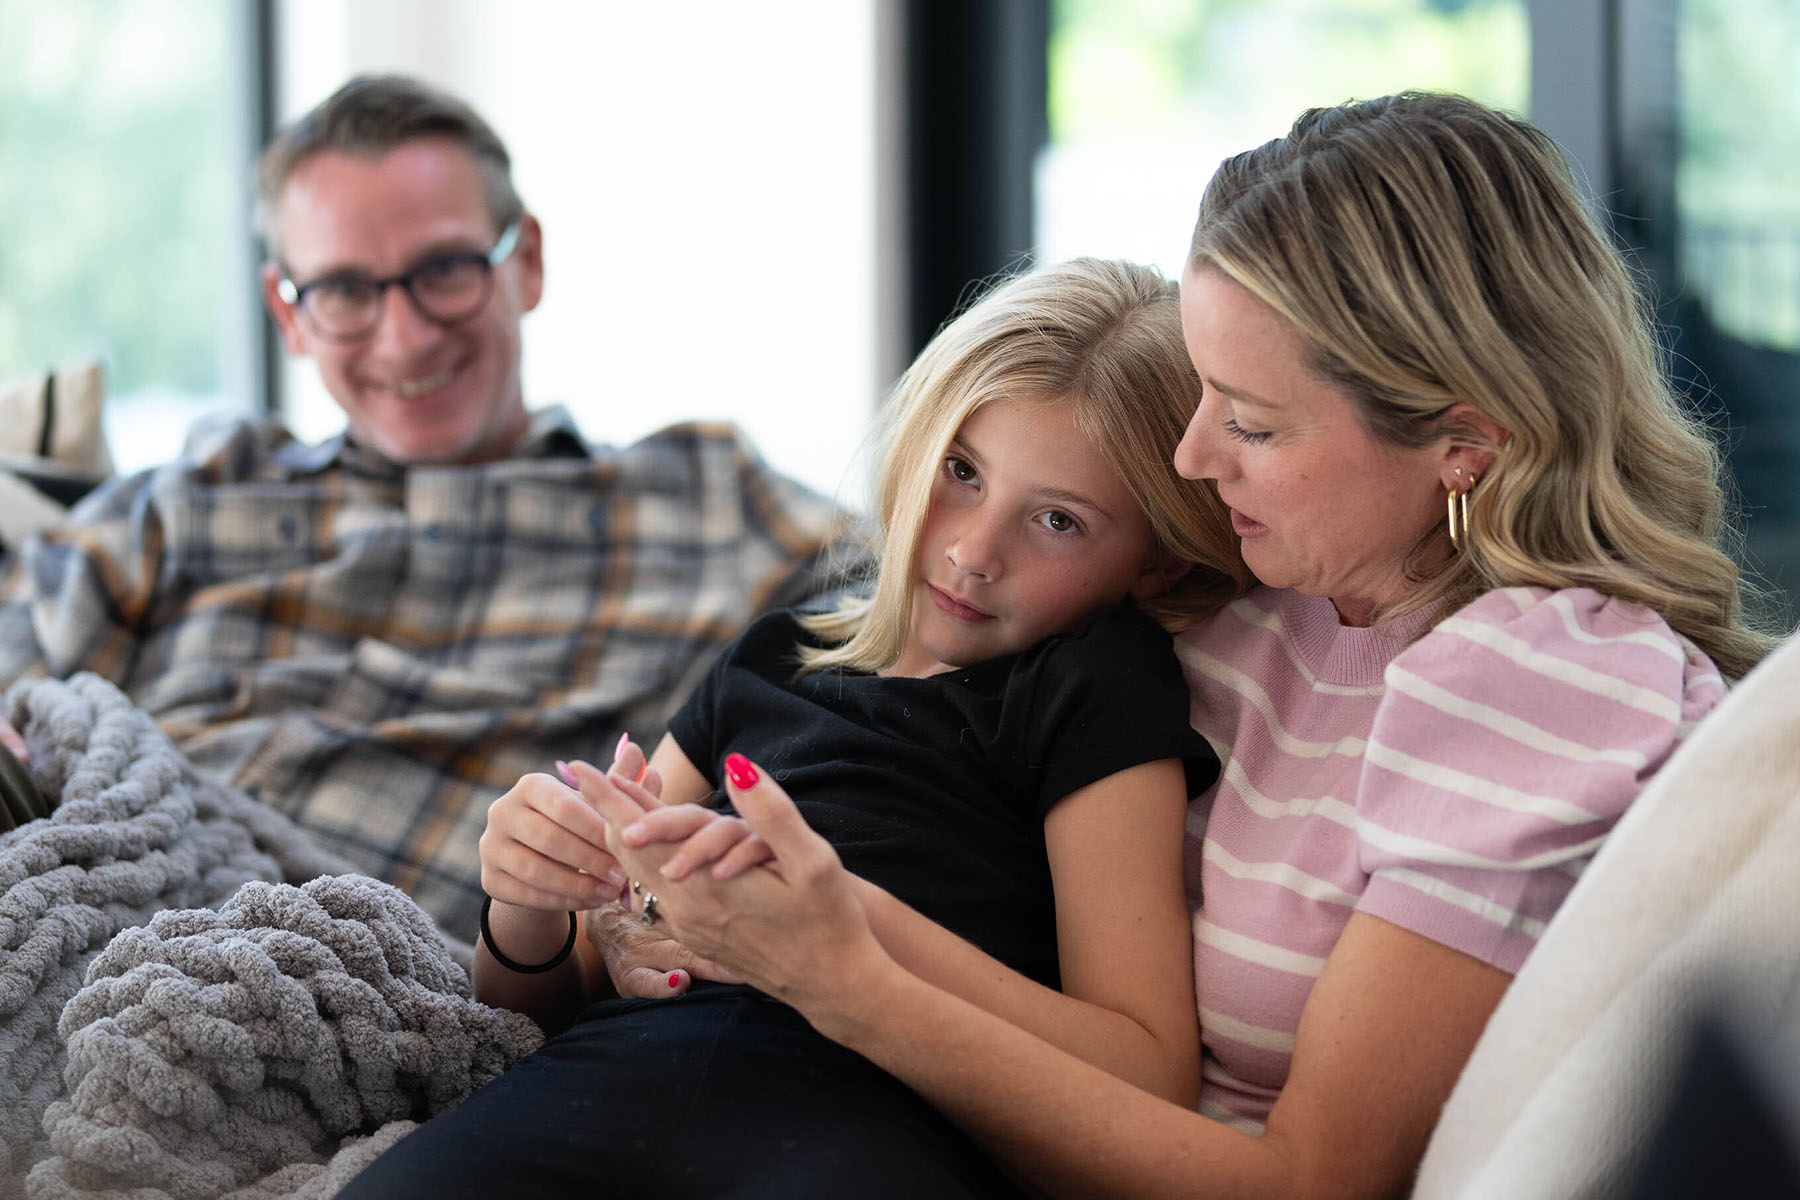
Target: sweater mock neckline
1337, 653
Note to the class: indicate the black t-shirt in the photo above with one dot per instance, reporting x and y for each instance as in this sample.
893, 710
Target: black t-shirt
936, 789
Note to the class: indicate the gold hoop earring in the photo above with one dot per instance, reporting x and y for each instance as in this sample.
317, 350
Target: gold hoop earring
1457, 506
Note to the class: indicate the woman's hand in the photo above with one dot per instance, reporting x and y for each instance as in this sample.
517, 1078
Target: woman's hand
640, 961
796, 930
703, 838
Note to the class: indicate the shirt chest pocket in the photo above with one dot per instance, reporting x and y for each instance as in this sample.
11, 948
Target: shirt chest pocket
236, 536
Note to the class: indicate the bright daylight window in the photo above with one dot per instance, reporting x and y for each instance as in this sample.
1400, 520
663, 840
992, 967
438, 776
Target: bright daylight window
1736, 243
1147, 96
119, 204
1738, 182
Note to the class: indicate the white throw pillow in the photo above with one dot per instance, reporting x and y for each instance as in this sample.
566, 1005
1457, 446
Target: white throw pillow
75, 439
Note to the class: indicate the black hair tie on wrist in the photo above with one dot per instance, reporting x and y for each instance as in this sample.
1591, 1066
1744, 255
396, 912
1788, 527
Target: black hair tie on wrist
487, 935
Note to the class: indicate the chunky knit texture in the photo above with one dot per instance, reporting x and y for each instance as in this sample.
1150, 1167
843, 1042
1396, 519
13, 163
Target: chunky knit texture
269, 1048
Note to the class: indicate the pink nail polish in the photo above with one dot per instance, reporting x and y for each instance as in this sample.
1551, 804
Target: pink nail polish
567, 774
743, 776
620, 748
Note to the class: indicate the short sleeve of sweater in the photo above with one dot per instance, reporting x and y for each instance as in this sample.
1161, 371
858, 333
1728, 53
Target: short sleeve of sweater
1508, 742
769, 644
1106, 699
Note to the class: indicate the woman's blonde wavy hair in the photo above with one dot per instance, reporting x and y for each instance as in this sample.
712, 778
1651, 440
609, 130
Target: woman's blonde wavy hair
1432, 251
1102, 335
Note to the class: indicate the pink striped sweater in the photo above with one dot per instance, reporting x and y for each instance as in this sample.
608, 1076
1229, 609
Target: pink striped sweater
1454, 785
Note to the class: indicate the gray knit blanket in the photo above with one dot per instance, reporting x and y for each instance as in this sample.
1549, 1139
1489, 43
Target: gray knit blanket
196, 1001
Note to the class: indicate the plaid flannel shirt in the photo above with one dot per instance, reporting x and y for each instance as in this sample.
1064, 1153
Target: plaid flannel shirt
379, 651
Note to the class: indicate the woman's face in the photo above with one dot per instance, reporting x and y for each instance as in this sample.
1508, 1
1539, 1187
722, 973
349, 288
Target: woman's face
1321, 505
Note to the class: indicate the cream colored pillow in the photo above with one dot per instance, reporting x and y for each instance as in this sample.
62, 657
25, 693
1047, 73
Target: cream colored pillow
75, 439
52, 445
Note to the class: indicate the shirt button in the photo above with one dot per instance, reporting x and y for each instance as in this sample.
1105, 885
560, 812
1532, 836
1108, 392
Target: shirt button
289, 527
434, 532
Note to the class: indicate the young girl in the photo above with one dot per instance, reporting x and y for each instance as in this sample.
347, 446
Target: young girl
995, 740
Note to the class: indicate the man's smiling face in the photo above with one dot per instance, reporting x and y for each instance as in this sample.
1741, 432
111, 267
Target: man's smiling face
414, 390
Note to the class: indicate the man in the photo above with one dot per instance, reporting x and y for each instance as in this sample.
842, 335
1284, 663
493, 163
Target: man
379, 634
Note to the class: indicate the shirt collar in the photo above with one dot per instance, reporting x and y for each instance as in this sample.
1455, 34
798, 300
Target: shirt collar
552, 433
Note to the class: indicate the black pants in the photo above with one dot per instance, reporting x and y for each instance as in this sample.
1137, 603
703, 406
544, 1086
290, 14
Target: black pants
721, 1092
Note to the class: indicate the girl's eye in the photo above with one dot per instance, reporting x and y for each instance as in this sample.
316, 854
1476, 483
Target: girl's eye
959, 469
1253, 436
1059, 521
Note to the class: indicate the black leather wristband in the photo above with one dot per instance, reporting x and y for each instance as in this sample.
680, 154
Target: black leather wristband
487, 936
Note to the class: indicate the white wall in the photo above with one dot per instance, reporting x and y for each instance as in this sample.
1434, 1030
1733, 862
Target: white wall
710, 189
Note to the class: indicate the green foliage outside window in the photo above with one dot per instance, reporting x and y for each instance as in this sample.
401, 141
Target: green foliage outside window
1246, 68
1738, 174
116, 195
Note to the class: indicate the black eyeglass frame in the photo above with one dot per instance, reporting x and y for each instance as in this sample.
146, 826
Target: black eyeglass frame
295, 293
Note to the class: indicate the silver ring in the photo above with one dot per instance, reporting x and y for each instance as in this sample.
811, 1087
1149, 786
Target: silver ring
648, 916
636, 887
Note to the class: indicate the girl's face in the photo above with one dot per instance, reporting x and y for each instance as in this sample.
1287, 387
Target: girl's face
1029, 533
1321, 505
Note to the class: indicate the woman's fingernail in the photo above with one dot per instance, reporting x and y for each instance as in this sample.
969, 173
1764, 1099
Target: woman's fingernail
624, 895
743, 776
619, 749
674, 979
567, 774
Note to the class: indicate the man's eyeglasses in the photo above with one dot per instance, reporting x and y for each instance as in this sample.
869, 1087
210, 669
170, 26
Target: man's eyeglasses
446, 288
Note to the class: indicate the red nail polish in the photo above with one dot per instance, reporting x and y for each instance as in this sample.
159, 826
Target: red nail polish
674, 979
567, 774
743, 776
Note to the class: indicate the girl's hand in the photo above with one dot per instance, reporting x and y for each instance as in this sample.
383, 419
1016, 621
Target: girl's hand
630, 762
798, 932
545, 848
645, 962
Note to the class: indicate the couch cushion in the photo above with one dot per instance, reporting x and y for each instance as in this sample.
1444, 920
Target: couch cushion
53, 448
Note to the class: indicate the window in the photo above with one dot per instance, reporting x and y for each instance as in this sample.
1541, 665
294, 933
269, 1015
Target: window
123, 207
707, 189
1147, 96
1734, 241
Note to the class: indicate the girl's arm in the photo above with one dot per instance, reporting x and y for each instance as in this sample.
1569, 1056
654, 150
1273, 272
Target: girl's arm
1389, 1024
1126, 950
544, 855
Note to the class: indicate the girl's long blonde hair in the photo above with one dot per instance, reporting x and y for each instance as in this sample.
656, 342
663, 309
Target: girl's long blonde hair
1433, 251
1102, 335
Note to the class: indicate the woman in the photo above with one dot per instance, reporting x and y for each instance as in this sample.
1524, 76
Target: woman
1493, 603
